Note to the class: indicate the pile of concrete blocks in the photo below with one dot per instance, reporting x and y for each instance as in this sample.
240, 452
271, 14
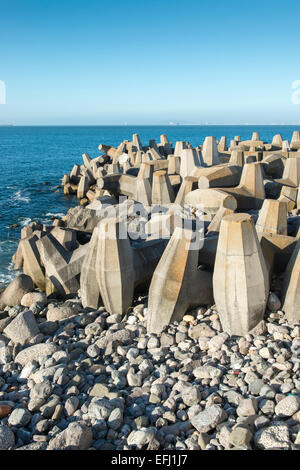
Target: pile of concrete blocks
212, 224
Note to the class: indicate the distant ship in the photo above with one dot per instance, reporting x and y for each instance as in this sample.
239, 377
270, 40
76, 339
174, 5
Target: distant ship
6, 125
171, 123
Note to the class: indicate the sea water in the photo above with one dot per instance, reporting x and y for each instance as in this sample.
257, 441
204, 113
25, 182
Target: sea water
34, 159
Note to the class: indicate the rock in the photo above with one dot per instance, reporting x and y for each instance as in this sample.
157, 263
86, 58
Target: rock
7, 438
76, 436
48, 328
166, 340
100, 408
16, 290
61, 313
134, 379
209, 418
201, 330
274, 303
19, 417
4, 410
33, 353
273, 437
191, 396
240, 436
141, 437
153, 343
115, 419
259, 329
247, 407
216, 342
22, 328
33, 297
41, 390
207, 372
101, 391
287, 406
71, 405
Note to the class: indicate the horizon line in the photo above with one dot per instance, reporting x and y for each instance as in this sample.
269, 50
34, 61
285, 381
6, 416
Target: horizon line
145, 125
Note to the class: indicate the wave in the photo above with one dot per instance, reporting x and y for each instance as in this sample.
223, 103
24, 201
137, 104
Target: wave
55, 214
17, 196
26, 221
7, 276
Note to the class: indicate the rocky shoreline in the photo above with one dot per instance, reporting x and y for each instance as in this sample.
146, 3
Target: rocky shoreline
186, 374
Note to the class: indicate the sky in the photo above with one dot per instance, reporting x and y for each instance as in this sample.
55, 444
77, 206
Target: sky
90, 62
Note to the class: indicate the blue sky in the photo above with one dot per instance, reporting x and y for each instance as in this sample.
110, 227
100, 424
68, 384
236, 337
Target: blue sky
149, 61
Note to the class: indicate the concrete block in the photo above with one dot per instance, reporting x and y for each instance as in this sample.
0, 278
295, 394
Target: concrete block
62, 267
177, 284
210, 200
162, 191
83, 187
272, 217
189, 162
240, 279
210, 152
291, 287
218, 176
291, 173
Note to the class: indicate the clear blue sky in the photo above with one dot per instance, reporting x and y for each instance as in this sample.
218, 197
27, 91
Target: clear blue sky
149, 61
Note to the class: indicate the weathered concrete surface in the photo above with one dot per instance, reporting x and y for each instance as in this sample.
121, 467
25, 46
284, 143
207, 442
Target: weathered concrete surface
210, 152
189, 162
187, 185
277, 251
177, 284
62, 267
240, 279
114, 266
291, 173
272, 217
291, 287
250, 193
218, 176
210, 200
162, 191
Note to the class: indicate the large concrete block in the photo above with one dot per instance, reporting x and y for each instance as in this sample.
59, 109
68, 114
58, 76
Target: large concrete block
162, 191
210, 152
289, 195
218, 176
177, 283
272, 217
62, 267
32, 265
237, 158
118, 265
241, 282
189, 162
114, 271
222, 145
210, 200
187, 185
291, 287
83, 187
291, 173
277, 251
250, 193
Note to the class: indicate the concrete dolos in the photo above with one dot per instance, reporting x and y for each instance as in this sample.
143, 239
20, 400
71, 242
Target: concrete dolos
240, 279
177, 283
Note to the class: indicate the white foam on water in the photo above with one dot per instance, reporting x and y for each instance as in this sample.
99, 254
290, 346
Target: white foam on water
8, 276
18, 197
53, 214
26, 221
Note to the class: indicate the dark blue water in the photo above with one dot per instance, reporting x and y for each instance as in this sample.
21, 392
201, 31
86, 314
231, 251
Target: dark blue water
32, 156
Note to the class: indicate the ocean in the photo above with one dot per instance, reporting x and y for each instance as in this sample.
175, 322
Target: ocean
34, 159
